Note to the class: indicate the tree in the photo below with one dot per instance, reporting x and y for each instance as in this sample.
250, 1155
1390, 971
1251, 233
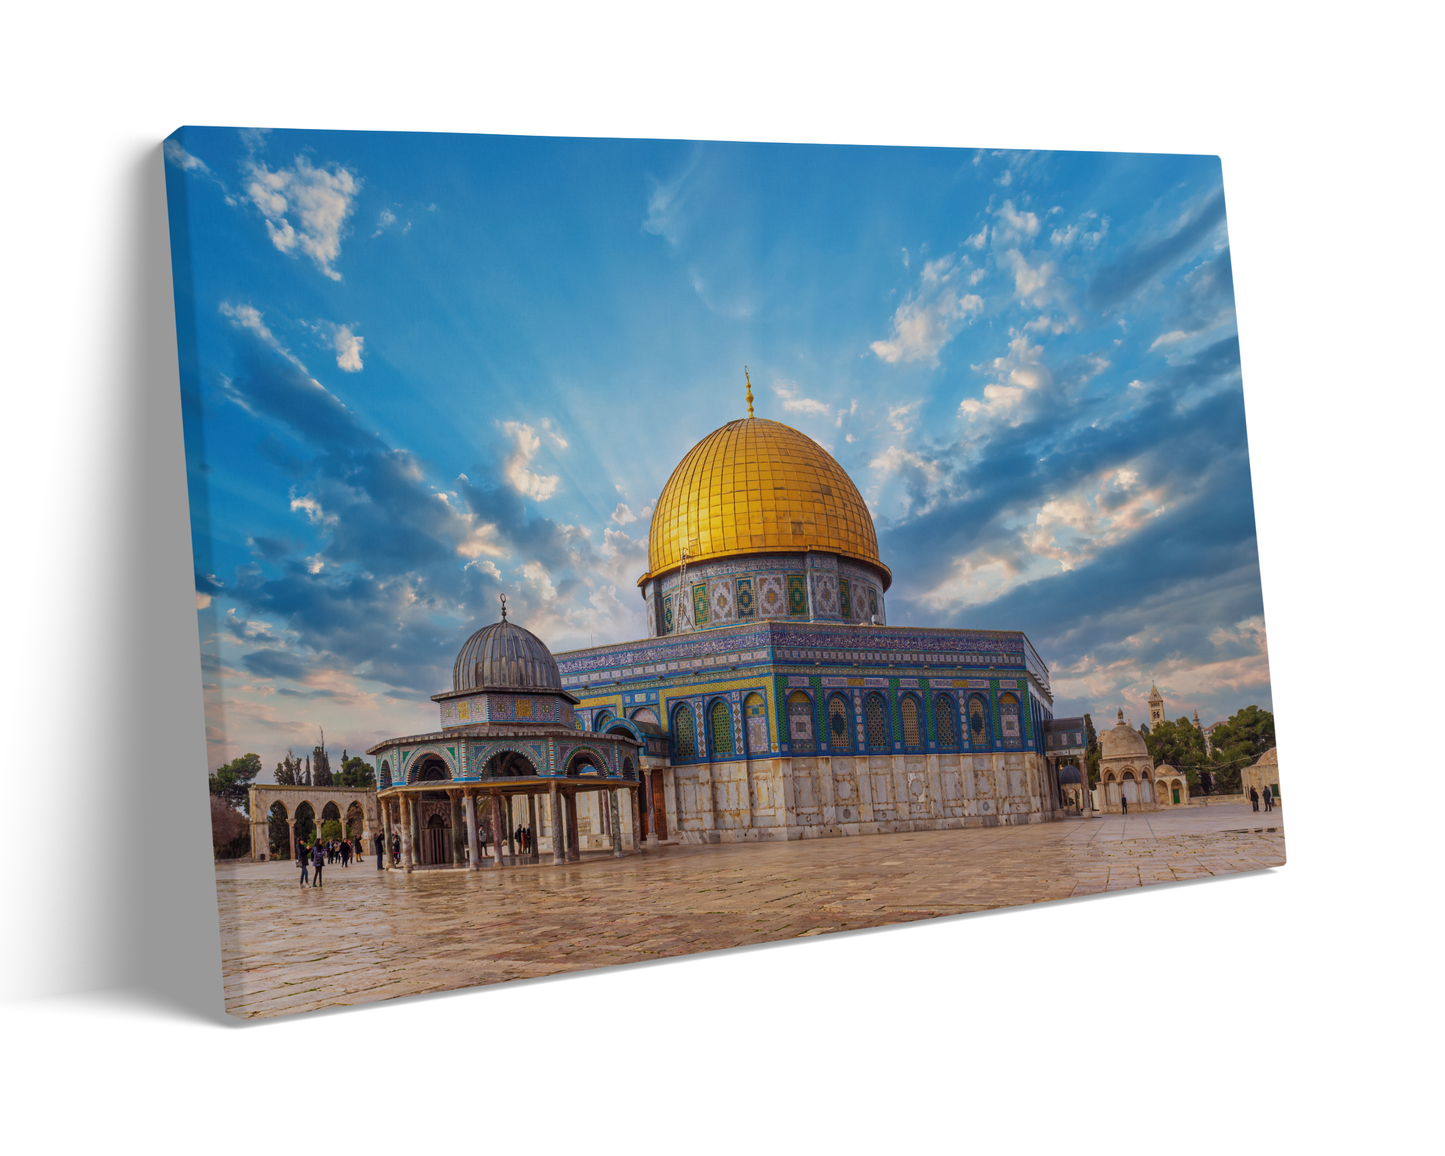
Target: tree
288, 771
330, 830
1239, 741
1093, 753
321, 764
230, 832
1178, 744
232, 781
356, 773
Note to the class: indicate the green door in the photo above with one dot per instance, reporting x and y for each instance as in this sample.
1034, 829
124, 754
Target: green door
1176, 796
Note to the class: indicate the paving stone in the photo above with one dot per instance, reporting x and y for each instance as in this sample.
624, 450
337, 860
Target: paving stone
369, 935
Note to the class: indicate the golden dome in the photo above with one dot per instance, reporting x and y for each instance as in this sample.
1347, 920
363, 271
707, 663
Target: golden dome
756, 486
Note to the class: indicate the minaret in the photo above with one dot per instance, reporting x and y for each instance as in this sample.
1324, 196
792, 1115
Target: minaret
1156, 707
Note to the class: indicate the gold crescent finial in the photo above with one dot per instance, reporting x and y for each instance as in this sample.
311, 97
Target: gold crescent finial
749, 380
502, 598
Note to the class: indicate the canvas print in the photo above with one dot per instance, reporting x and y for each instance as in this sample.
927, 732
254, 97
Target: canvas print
609, 550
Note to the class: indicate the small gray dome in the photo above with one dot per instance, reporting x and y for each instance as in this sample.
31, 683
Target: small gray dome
1068, 774
503, 654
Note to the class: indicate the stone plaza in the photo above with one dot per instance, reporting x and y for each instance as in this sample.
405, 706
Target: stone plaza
369, 935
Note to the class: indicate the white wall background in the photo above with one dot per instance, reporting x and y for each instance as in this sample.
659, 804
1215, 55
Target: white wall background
1024, 1027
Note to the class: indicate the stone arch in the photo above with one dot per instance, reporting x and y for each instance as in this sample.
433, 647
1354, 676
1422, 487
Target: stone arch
684, 732
354, 821
428, 767
720, 738
305, 821
625, 727
646, 714
628, 770
875, 721
800, 723
586, 757
278, 830
840, 722
509, 763
603, 720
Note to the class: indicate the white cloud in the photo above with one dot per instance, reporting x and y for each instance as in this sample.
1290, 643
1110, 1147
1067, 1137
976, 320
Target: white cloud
202, 600
849, 412
622, 515
894, 460
795, 402
557, 440
1014, 226
900, 416
1018, 373
1063, 238
931, 317
538, 487
177, 155
321, 199
385, 221
665, 204
979, 239
348, 349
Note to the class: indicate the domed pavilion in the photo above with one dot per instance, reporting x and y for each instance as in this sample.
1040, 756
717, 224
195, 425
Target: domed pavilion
508, 755
1126, 770
772, 700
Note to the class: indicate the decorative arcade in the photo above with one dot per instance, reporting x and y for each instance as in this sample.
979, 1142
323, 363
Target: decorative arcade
508, 769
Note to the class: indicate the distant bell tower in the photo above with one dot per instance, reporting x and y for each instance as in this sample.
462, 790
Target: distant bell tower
1156, 707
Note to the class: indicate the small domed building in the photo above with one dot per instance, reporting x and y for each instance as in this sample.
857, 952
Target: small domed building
772, 700
508, 754
1126, 770
1263, 772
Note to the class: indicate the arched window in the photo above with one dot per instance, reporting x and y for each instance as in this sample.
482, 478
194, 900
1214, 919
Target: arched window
977, 723
944, 722
1008, 719
684, 732
599, 724
627, 772
875, 722
385, 774
722, 728
908, 713
800, 722
840, 723
755, 724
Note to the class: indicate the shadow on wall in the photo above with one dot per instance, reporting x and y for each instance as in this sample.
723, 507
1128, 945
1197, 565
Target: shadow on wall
148, 920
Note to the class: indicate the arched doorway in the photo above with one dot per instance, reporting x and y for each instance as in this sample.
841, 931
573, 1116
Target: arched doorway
432, 815
1131, 788
509, 765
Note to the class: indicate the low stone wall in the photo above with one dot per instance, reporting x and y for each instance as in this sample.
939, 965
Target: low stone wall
1215, 800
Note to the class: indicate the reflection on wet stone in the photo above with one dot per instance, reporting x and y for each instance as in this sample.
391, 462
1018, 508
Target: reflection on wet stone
373, 935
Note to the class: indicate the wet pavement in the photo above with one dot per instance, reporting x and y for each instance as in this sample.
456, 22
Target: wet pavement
370, 935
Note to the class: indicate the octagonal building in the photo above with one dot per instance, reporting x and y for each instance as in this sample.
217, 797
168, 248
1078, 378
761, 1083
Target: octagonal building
772, 700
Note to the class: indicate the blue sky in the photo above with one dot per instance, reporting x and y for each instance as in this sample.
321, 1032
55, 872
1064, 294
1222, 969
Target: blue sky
422, 369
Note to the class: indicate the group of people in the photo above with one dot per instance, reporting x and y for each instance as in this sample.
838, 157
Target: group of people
523, 837
1266, 797
330, 851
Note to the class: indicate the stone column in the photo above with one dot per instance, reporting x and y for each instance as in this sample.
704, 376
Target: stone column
574, 837
532, 826
474, 857
386, 832
414, 825
559, 846
637, 826
497, 843
408, 816
291, 829
458, 835
616, 824
511, 832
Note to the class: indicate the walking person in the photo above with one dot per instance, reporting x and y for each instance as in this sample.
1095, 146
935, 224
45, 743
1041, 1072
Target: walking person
304, 858
346, 852
376, 844
1268, 799
1254, 798
318, 859
395, 849
1124, 802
